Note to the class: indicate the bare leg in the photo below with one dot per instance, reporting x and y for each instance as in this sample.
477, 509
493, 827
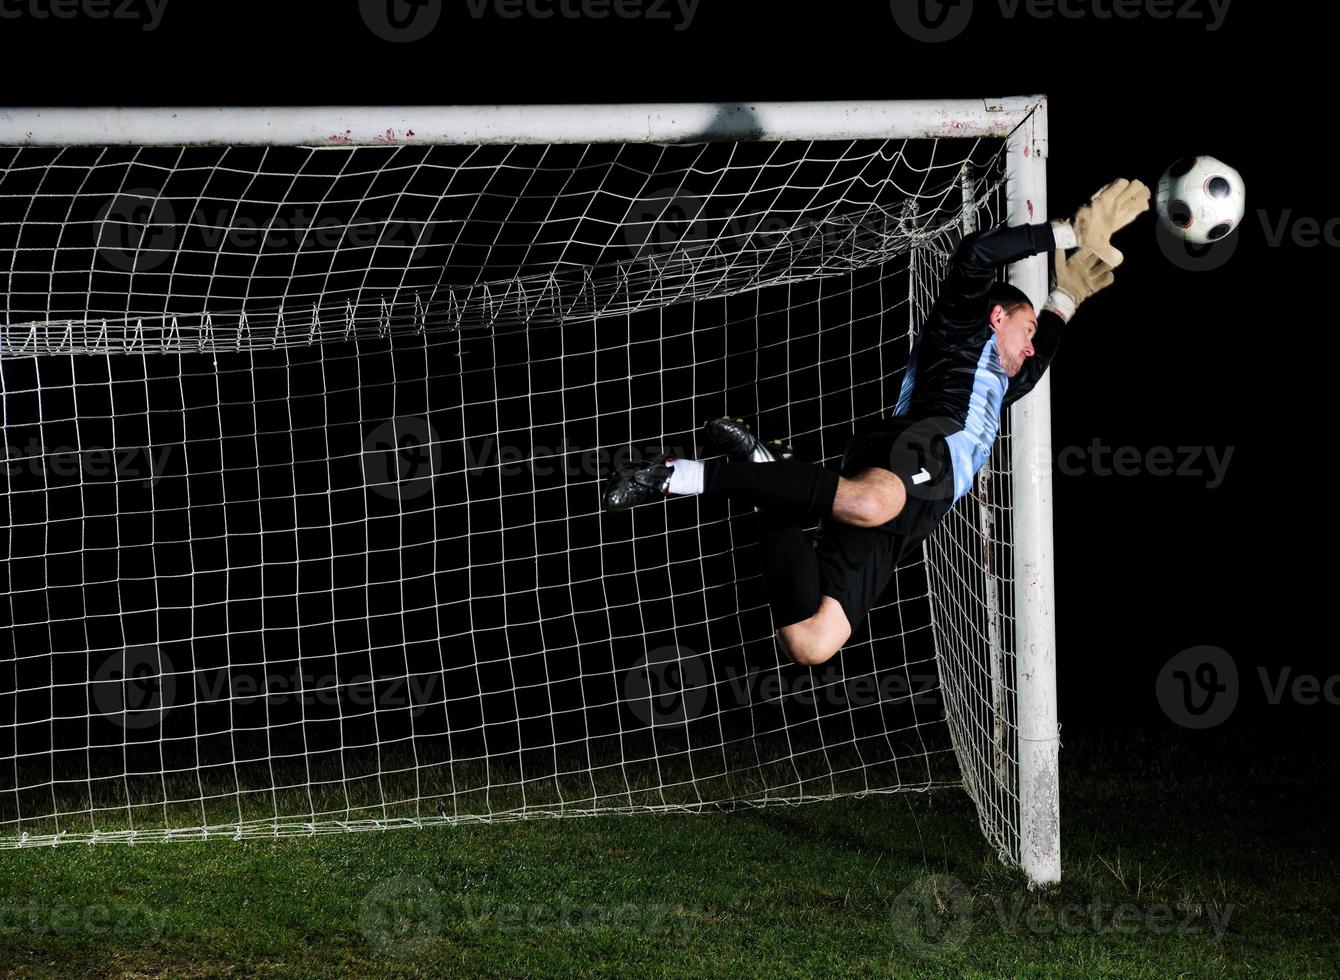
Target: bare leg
869, 499
815, 640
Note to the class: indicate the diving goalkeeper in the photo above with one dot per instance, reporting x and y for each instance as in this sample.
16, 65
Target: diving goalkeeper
982, 348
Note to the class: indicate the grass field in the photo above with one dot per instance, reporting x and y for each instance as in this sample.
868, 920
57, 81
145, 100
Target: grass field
1183, 856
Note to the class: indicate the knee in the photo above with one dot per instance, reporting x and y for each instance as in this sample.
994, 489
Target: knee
870, 504
804, 647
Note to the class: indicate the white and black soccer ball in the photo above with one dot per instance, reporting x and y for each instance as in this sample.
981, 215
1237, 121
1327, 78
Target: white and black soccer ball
1201, 199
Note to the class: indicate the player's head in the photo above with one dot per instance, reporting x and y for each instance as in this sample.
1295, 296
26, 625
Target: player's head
1015, 322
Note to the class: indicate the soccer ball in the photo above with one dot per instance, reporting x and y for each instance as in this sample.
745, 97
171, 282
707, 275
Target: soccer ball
1201, 199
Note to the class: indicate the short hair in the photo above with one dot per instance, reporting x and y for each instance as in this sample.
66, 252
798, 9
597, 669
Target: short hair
1010, 298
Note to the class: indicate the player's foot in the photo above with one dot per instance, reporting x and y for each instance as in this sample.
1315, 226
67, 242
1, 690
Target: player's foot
638, 483
734, 438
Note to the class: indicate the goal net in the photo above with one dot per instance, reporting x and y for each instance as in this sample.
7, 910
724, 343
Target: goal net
307, 415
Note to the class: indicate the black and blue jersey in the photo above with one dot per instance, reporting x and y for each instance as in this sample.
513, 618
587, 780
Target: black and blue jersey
955, 377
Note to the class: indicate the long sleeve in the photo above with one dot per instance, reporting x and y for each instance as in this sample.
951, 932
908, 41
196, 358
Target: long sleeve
975, 267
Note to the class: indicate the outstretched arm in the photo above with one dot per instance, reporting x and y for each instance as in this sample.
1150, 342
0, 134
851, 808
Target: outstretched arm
975, 266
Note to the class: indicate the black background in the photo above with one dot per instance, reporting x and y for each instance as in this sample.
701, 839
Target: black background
1237, 357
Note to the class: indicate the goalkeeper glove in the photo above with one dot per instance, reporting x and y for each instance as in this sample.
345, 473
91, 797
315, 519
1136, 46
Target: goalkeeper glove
1108, 211
1077, 278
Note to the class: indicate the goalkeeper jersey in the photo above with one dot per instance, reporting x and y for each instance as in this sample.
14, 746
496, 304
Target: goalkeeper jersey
955, 377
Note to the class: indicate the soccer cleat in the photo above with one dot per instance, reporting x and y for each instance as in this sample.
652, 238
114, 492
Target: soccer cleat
638, 483
734, 438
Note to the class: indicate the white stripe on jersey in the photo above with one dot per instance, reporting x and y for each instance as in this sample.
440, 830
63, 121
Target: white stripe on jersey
970, 447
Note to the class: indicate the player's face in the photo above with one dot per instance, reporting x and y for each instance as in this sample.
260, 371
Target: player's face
1014, 336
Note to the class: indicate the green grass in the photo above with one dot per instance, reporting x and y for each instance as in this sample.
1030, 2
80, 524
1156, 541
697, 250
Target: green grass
1178, 862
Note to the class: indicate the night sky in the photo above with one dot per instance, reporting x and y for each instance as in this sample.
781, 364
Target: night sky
1219, 368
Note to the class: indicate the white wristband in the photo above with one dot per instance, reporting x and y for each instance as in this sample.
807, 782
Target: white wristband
1065, 235
1061, 304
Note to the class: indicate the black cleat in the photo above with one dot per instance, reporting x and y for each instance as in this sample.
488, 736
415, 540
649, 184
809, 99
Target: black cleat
734, 438
638, 483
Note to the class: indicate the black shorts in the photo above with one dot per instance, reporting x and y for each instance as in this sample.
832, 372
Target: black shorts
857, 563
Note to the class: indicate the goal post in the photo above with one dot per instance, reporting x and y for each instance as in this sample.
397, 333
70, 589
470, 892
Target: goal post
1034, 568
572, 278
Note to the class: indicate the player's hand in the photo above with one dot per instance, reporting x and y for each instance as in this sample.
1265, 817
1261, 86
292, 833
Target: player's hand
1082, 275
1108, 211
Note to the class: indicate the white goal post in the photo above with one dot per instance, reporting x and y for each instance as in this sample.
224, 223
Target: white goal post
201, 312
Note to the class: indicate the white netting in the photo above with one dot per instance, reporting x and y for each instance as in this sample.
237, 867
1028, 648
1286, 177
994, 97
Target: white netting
302, 500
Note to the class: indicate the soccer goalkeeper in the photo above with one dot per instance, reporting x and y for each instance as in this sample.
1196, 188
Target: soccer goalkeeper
982, 348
